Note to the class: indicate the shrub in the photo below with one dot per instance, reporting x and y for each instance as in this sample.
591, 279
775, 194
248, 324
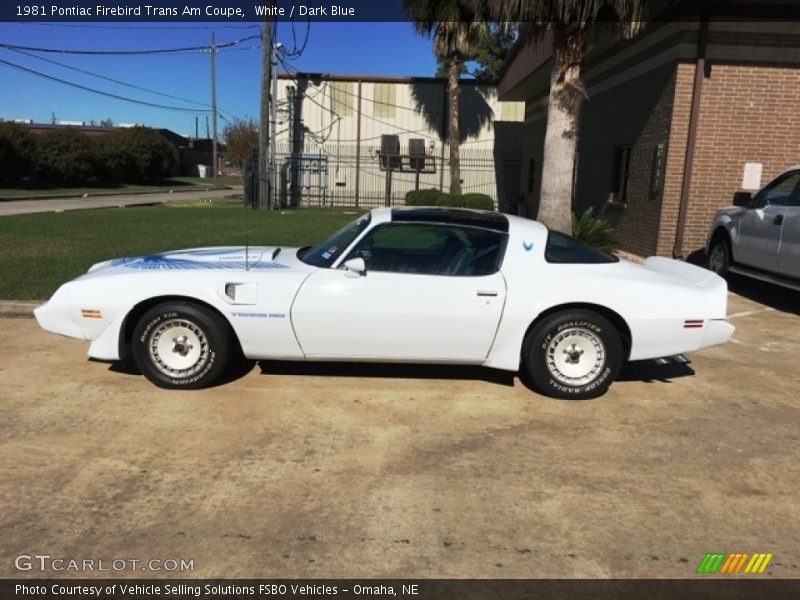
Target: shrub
65, 156
594, 231
478, 201
436, 198
137, 153
422, 197
17, 152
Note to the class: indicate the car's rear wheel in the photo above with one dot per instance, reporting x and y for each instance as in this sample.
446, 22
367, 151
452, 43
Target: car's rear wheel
719, 255
181, 345
573, 354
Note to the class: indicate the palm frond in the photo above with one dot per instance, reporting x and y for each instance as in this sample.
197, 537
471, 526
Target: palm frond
594, 231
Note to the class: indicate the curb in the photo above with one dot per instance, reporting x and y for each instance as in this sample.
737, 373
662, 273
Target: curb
232, 188
18, 309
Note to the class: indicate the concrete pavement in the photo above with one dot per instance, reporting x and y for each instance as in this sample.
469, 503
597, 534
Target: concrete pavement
323, 470
22, 207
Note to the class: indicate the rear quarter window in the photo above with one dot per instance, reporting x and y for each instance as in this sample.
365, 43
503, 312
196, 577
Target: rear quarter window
565, 249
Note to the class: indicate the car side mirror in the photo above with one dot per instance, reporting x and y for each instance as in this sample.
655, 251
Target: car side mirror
356, 266
742, 199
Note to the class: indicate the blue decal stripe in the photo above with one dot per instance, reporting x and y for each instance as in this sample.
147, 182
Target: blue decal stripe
157, 262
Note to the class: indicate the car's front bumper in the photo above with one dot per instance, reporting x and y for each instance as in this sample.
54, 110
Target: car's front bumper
57, 315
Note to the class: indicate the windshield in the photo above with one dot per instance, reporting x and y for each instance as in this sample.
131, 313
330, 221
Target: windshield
326, 252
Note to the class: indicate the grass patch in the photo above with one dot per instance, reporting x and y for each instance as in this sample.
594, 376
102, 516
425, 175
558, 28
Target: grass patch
21, 191
42, 251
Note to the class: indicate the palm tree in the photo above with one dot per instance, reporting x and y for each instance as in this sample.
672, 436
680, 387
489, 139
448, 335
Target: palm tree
455, 31
568, 23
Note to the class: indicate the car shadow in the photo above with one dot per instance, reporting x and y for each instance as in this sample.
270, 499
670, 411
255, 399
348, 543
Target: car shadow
648, 371
238, 368
768, 294
387, 370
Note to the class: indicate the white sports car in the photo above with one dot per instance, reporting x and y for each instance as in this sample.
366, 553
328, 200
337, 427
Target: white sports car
415, 285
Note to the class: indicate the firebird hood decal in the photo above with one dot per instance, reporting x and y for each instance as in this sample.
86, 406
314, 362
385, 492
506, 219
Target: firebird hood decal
206, 258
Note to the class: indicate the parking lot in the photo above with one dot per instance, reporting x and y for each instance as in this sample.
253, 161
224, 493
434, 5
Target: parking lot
296, 470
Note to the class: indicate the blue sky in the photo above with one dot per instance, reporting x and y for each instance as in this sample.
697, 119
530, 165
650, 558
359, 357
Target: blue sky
355, 48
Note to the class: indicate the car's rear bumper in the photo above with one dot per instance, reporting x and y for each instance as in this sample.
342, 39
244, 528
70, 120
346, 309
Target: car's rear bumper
718, 331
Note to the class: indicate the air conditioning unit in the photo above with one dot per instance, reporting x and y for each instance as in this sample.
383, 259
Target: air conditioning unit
390, 150
416, 148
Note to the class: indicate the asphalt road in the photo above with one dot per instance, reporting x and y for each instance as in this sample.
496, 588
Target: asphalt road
369, 471
22, 207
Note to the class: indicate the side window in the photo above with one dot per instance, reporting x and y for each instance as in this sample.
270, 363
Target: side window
431, 249
781, 192
562, 248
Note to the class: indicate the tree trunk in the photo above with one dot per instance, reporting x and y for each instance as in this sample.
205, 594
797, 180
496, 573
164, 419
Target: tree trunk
453, 134
561, 136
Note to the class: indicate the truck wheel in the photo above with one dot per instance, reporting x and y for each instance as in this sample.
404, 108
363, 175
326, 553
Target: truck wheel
181, 345
573, 354
719, 256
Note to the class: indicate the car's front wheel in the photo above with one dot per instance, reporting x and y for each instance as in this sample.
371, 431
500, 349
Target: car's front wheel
181, 345
573, 354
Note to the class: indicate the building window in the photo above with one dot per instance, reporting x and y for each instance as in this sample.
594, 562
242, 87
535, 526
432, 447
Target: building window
531, 173
622, 169
342, 98
385, 100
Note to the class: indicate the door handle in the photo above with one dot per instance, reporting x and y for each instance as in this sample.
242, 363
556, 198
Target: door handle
487, 293
778, 220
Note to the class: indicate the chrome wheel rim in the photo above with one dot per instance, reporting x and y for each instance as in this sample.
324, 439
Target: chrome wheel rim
575, 356
179, 348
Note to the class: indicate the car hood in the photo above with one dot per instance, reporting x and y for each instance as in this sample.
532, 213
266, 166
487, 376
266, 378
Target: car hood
227, 257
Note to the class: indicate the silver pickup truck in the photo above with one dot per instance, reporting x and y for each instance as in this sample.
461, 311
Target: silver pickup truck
759, 236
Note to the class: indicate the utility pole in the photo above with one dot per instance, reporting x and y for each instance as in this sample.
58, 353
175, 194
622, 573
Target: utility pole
213, 107
264, 117
273, 126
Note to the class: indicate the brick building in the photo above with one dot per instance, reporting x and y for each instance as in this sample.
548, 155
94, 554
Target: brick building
647, 117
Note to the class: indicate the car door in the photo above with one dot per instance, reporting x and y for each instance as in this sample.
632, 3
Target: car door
429, 293
761, 224
789, 251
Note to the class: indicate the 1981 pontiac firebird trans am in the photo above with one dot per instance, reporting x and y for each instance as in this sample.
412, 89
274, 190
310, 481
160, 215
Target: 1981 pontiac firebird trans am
412, 285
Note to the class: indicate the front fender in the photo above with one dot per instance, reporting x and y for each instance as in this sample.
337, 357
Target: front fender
108, 345
726, 221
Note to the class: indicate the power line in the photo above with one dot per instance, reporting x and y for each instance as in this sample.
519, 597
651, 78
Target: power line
297, 52
100, 92
127, 52
117, 81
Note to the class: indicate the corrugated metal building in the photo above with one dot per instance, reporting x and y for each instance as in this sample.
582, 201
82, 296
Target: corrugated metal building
332, 131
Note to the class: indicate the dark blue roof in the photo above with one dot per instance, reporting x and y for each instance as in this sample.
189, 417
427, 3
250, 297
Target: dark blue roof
453, 216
